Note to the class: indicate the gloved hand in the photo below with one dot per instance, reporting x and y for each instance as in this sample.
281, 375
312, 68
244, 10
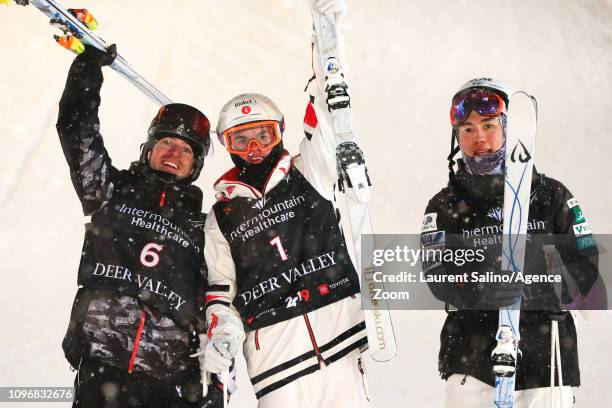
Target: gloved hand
219, 352
331, 7
336, 8
499, 294
95, 56
541, 296
220, 346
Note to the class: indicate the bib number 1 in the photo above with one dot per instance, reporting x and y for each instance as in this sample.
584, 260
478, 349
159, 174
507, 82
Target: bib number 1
279, 246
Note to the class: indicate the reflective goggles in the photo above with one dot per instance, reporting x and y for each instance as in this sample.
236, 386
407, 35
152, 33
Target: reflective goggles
184, 121
242, 138
482, 101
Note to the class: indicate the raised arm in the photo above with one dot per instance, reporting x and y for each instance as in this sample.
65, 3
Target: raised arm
78, 127
317, 160
318, 148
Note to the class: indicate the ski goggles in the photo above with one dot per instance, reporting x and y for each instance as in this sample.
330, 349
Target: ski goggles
482, 101
184, 121
242, 138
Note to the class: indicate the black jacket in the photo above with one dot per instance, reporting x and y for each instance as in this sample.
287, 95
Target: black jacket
469, 212
140, 279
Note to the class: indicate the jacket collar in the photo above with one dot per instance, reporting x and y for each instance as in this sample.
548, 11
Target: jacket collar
229, 185
479, 188
158, 176
168, 185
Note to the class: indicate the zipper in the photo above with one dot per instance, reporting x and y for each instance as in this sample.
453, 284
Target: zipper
162, 199
137, 341
257, 339
314, 342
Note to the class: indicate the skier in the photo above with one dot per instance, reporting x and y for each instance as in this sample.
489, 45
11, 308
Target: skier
279, 268
468, 213
134, 314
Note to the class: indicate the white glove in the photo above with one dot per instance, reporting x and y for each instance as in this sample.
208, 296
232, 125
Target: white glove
331, 7
225, 335
219, 352
337, 9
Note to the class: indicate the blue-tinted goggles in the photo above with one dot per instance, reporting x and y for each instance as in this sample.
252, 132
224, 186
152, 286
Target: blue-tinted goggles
482, 101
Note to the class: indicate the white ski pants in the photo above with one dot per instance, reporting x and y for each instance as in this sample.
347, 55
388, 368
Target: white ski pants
339, 385
476, 394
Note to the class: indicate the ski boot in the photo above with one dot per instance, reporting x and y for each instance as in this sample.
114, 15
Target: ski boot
504, 355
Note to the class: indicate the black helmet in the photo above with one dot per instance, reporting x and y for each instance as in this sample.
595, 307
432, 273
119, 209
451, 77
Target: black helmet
185, 122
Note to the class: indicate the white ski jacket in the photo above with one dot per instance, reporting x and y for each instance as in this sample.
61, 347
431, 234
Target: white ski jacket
318, 329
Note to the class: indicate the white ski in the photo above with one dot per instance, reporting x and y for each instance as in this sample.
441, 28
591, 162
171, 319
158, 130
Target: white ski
354, 181
520, 153
55, 11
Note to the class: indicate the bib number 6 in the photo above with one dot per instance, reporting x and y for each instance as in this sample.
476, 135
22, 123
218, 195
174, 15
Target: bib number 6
149, 256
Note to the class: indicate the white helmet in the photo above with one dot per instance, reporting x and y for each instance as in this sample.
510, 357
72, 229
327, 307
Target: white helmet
500, 87
245, 108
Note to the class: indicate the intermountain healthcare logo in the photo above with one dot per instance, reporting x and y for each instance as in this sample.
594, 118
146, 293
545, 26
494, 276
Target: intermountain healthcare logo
492, 234
267, 217
259, 204
152, 221
496, 213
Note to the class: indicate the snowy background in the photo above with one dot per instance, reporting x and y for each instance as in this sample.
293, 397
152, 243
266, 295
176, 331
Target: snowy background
407, 58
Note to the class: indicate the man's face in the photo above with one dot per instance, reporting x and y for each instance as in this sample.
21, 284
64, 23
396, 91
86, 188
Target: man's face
172, 155
480, 135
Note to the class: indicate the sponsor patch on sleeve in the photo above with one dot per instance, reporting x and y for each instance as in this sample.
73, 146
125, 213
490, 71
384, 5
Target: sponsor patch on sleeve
585, 242
430, 243
572, 202
429, 222
578, 217
433, 238
582, 229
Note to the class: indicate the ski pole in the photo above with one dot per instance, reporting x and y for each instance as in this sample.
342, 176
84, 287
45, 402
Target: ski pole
551, 396
559, 368
206, 382
224, 379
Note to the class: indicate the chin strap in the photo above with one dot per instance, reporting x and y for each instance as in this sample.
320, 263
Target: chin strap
453, 152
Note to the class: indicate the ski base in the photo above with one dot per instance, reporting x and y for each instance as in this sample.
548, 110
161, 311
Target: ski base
520, 152
353, 181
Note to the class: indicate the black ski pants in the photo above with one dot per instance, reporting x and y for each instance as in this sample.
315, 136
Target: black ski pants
99, 385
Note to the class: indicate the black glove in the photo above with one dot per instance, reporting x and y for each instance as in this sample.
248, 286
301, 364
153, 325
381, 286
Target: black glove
92, 55
494, 295
541, 296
